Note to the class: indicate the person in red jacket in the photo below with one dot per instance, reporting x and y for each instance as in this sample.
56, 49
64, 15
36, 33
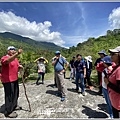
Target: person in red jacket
106, 66
113, 82
9, 78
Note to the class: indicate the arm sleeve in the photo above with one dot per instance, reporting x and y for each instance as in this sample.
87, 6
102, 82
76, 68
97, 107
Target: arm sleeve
114, 87
84, 64
100, 67
118, 74
3, 59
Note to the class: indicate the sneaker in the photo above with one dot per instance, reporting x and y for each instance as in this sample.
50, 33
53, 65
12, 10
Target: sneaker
12, 115
111, 116
63, 98
18, 108
83, 93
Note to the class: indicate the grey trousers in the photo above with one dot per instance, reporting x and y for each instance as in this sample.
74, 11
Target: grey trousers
59, 76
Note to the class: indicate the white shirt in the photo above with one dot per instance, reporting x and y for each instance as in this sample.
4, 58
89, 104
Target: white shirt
103, 83
41, 66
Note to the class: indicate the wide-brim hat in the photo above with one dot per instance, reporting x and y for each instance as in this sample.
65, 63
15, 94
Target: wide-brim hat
89, 58
41, 58
102, 52
115, 50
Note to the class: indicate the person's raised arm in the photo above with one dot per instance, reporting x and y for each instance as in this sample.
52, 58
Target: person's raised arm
55, 60
11, 58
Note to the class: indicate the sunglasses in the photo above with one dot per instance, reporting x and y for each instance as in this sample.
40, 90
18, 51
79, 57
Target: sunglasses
12, 49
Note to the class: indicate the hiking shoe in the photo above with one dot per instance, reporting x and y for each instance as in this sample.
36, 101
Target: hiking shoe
12, 115
83, 93
63, 98
18, 108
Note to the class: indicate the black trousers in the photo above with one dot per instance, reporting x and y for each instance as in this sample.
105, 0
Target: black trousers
55, 83
11, 91
116, 113
39, 76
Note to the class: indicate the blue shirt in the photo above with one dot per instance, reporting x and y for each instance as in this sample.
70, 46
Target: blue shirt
59, 65
79, 65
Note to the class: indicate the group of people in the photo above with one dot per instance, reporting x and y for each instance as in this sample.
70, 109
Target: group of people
78, 68
108, 68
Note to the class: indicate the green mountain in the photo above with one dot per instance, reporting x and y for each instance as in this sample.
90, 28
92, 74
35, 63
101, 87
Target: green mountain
41, 45
33, 49
93, 45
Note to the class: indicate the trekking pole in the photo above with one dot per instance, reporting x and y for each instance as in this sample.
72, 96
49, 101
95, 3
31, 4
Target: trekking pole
25, 90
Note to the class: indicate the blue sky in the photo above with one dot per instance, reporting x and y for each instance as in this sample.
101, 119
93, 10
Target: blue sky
63, 23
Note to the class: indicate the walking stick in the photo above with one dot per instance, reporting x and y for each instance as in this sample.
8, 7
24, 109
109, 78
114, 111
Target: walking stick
25, 90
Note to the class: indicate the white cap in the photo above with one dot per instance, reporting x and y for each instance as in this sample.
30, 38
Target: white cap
115, 50
11, 48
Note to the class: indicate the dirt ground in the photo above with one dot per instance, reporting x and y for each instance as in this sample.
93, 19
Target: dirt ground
45, 104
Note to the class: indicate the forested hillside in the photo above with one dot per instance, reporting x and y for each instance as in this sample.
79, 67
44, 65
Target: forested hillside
30, 53
38, 44
93, 45
90, 47
32, 49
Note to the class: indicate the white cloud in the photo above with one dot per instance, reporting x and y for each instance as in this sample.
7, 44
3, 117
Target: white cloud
114, 18
9, 22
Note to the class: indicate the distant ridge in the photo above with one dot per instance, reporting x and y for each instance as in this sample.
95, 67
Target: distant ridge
39, 44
